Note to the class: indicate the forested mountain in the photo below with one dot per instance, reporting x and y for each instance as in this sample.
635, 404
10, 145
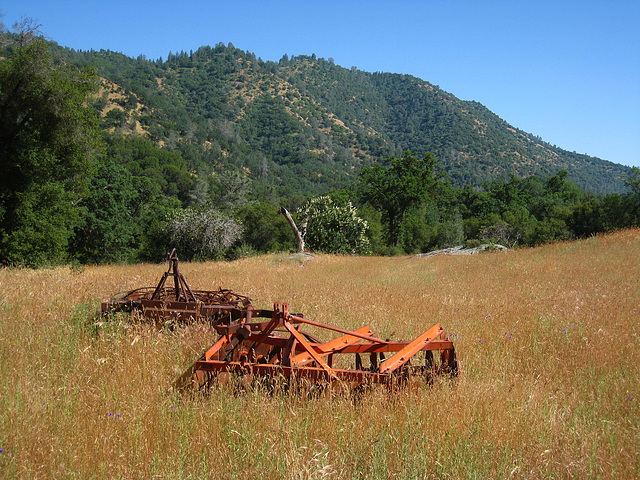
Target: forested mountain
305, 125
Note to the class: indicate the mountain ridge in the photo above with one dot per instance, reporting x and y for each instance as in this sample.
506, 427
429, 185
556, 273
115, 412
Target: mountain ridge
306, 124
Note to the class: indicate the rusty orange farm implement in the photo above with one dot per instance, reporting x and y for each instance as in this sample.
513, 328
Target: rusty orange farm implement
274, 343
279, 347
178, 303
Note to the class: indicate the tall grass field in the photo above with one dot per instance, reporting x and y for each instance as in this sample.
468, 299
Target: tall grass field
548, 338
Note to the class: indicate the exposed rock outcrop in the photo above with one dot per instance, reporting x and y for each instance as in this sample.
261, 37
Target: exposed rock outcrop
460, 250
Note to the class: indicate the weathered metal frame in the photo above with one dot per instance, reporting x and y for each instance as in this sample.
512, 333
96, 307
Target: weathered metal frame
179, 303
278, 348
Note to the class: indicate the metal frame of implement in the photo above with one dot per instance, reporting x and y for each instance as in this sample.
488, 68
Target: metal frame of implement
178, 303
278, 347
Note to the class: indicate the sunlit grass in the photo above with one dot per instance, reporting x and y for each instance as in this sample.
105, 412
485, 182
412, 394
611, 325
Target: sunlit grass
548, 339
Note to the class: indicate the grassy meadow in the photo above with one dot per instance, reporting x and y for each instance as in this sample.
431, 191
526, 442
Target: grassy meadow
549, 340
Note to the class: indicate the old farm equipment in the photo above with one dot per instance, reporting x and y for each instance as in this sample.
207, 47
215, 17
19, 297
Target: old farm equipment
279, 348
276, 344
178, 303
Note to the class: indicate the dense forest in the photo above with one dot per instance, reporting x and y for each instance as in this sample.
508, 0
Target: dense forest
107, 158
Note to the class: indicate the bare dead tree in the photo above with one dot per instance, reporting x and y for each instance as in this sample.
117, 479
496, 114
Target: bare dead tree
296, 232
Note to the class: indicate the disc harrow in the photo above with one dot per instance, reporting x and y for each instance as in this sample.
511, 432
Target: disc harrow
279, 348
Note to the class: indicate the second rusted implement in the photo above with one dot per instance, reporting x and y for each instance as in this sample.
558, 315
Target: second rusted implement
178, 303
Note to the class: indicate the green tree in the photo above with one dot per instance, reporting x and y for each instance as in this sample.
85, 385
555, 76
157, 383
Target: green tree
587, 218
633, 181
47, 140
232, 190
418, 233
265, 230
451, 231
108, 230
395, 189
374, 230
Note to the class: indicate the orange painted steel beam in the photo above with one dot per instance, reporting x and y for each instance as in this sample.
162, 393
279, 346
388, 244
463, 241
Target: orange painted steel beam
330, 347
403, 356
360, 347
216, 348
296, 319
395, 347
303, 341
268, 369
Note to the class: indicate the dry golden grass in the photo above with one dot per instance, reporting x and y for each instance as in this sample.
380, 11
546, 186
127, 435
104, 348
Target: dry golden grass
548, 339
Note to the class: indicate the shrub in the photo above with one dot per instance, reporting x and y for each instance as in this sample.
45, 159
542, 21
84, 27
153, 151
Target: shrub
201, 233
334, 227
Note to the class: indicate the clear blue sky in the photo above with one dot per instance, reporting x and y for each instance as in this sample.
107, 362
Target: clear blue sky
566, 70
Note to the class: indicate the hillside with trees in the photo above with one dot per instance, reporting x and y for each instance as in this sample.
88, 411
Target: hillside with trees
306, 122
107, 158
